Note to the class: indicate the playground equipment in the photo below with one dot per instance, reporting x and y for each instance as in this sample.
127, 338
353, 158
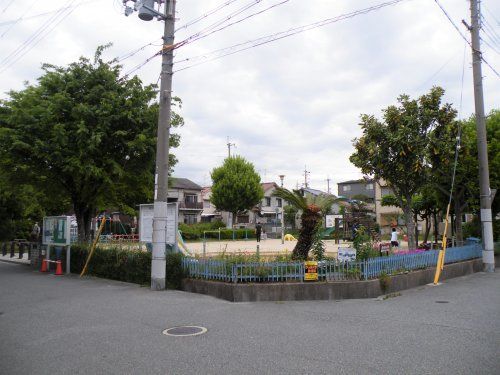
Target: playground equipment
289, 237
181, 245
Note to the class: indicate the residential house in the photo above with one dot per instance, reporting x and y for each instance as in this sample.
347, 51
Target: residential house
308, 192
210, 212
188, 194
358, 188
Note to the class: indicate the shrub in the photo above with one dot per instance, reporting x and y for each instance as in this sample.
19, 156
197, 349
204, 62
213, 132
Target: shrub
193, 232
175, 272
124, 265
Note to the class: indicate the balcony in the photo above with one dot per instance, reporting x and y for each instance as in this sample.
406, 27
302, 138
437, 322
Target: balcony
191, 205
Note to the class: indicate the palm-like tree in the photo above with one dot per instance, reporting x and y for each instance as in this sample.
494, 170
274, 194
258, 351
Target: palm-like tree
312, 209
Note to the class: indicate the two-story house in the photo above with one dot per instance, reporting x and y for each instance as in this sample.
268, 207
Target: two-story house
188, 194
358, 189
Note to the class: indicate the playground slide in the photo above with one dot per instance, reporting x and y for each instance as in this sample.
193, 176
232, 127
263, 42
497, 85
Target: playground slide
182, 246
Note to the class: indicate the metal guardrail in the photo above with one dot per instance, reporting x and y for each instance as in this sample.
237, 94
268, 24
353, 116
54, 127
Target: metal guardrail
331, 270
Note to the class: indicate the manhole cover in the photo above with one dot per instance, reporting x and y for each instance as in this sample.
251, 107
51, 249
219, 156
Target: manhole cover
442, 301
185, 331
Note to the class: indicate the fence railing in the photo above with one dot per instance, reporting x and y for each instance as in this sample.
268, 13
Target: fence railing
329, 270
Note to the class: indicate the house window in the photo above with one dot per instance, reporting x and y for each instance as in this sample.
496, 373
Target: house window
386, 191
191, 198
346, 188
268, 201
278, 201
369, 186
190, 219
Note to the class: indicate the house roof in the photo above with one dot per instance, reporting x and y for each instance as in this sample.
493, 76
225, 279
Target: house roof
269, 185
184, 183
313, 191
360, 181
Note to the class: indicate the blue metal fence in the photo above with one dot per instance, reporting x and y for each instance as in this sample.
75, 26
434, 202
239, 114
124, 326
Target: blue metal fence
330, 270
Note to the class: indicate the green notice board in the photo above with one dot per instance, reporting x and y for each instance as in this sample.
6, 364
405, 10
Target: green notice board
56, 230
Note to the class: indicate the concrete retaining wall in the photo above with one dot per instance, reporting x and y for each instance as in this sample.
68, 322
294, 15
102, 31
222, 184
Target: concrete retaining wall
324, 290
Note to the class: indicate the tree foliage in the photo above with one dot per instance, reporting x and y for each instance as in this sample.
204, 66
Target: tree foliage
395, 149
236, 186
313, 208
84, 134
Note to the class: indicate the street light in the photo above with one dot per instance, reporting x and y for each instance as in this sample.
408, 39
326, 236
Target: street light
282, 177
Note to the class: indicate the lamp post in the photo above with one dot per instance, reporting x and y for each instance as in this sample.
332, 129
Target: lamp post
147, 11
282, 177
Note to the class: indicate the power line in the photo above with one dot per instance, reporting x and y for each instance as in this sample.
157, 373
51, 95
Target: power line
220, 21
37, 36
7, 7
16, 21
203, 16
489, 45
463, 36
5, 23
227, 51
202, 36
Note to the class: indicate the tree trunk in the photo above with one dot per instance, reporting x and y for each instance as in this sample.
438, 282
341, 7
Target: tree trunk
436, 226
458, 222
83, 215
415, 218
306, 235
410, 225
427, 228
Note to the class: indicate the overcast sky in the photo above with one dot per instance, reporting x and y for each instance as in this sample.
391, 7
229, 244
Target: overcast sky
288, 104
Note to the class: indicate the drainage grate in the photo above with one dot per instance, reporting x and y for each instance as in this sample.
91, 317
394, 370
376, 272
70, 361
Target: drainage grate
442, 301
185, 331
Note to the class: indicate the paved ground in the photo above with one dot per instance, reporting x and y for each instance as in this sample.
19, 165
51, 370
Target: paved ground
51, 325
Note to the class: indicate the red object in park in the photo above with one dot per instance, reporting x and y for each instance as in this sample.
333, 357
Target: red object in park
59, 271
44, 266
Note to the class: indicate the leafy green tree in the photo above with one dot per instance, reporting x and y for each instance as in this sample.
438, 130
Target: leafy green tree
441, 157
395, 149
313, 209
84, 134
236, 186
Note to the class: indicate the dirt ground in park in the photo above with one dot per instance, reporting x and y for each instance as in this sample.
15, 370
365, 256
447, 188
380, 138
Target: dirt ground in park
266, 247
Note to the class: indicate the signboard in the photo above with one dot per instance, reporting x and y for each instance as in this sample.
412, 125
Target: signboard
311, 271
385, 247
56, 230
330, 220
346, 254
146, 213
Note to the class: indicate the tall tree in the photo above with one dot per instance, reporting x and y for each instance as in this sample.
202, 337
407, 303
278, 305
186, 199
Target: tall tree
236, 186
395, 148
84, 133
313, 208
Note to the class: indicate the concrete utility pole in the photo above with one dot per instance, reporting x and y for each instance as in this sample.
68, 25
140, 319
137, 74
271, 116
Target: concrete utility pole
229, 144
147, 12
282, 177
328, 179
306, 172
484, 177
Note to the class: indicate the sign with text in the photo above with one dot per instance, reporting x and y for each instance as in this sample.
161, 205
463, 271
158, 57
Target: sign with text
56, 230
146, 214
346, 254
385, 247
330, 220
310, 271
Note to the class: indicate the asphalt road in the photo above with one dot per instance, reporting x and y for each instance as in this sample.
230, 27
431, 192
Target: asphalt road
65, 325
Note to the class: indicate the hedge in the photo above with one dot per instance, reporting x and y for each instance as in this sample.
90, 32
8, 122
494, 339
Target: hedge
133, 266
